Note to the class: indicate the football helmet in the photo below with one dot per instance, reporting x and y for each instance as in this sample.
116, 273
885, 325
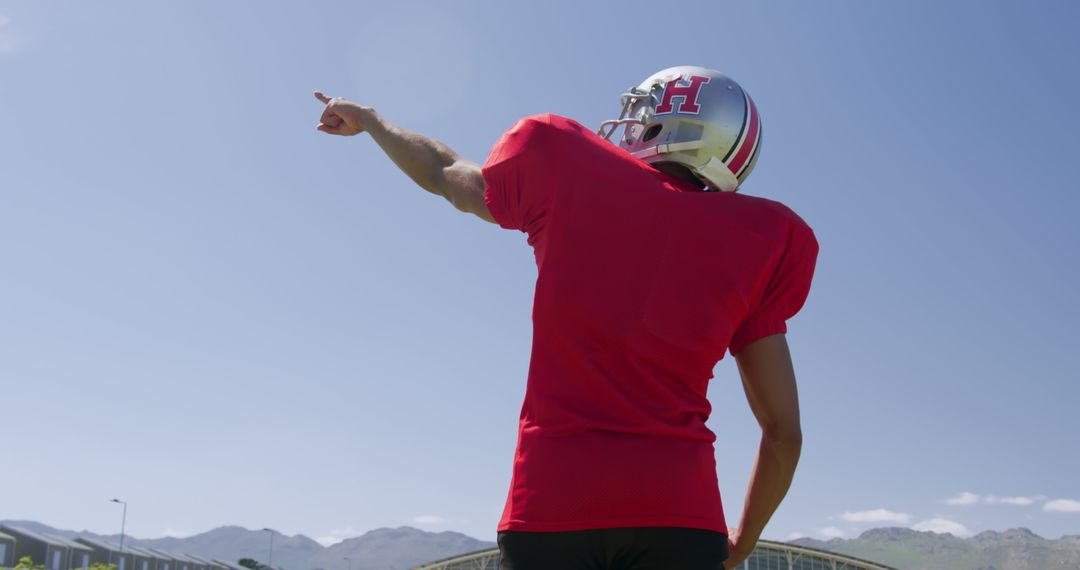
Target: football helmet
693, 116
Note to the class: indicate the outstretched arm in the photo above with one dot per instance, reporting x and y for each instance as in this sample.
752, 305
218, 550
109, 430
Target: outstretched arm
434, 166
769, 381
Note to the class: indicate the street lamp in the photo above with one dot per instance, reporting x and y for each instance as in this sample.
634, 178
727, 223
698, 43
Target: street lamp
350, 562
123, 523
270, 556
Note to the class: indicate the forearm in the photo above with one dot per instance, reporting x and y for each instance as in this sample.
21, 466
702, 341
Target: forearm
434, 166
769, 483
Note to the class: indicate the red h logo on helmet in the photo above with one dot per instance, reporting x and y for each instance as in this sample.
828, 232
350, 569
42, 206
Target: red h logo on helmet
688, 93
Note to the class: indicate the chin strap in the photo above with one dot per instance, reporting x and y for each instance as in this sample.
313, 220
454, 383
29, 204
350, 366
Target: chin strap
718, 175
669, 148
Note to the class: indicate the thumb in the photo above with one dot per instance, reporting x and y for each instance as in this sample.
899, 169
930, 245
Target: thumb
329, 129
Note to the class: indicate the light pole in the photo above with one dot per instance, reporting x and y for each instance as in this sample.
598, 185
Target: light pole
270, 556
350, 562
123, 523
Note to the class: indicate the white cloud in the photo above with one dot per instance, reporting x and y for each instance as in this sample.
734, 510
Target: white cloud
967, 499
7, 39
175, 533
796, 535
337, 535
1021, 501
428, 519
942, 526
877, 515
963, 499
831, 532
1062, 506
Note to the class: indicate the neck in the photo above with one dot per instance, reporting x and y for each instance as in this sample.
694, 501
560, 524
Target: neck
681, 172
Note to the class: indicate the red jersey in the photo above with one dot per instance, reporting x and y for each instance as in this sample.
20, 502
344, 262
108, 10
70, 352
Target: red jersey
643, 283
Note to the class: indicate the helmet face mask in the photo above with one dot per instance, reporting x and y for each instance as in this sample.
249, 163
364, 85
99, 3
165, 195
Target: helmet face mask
695, 117
635, 105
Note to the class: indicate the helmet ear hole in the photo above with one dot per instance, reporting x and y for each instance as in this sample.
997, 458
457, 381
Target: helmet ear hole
652, 132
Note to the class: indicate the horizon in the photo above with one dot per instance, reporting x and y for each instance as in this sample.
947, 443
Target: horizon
14, 522
212, 311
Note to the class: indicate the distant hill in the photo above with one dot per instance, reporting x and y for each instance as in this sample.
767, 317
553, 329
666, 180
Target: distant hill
405, 547
380, 549
233, 543
906, 549
399, 548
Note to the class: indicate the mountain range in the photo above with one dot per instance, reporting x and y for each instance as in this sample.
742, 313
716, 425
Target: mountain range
906, 549
405, 547
380, 549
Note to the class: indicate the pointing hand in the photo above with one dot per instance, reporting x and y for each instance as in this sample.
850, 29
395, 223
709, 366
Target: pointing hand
343, 117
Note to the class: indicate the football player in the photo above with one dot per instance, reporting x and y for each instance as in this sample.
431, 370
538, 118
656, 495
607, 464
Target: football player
650, 267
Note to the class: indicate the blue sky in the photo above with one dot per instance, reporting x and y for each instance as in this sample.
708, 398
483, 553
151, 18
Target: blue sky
207, 303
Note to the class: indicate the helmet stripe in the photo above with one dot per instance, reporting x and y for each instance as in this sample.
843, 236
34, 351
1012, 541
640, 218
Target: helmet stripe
746, 148
742, 129
750, 163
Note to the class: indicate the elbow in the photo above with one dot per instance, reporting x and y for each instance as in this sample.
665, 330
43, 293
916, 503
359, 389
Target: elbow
782, 446
463, 186
463, 201
787, 436
449, 193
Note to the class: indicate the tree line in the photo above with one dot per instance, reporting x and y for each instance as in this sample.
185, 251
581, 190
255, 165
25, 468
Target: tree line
27, 563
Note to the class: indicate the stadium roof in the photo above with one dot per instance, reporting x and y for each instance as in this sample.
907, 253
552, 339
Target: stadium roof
480, 559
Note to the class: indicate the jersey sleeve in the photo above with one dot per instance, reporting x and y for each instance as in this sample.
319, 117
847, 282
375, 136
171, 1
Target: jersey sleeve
518, 175
785, 291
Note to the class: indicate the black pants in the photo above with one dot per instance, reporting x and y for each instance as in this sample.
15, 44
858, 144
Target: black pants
640, 548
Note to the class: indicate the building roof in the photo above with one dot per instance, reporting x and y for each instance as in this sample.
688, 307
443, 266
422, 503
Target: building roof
199, 559
140, 551
824, 554
95, 543
19, 531
161, 554
211, 562
6, 536
230, 565
68, 543
169, 555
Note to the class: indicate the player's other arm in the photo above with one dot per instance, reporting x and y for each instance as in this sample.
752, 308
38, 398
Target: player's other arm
434, 166
768, 378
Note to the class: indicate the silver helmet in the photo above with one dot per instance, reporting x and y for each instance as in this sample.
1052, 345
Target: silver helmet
693, 116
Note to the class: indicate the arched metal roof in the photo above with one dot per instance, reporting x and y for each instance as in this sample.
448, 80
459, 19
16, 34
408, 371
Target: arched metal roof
768, 555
